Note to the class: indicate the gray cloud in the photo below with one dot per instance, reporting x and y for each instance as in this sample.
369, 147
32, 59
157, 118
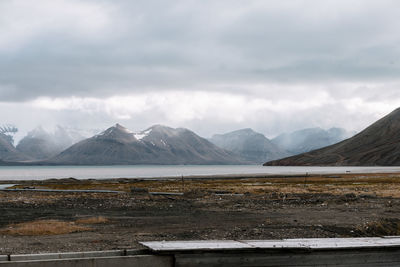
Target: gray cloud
312, 63
181, 44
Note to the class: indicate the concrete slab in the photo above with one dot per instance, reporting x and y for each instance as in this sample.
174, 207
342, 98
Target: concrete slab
326, 243
307, 243
195, 245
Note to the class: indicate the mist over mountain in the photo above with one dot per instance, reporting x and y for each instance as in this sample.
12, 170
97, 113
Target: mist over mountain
159, 145
7, 148
40, 144
156, 145
377, 145
8, 151
250, 145
305, 140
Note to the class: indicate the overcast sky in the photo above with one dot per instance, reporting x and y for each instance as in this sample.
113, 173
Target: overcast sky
210, 66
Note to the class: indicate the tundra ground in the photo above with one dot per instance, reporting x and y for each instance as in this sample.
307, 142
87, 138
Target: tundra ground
349, 205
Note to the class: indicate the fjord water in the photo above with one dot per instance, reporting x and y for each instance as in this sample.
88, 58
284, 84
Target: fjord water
147, 171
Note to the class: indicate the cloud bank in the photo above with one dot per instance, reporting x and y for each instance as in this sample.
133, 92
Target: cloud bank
212, 66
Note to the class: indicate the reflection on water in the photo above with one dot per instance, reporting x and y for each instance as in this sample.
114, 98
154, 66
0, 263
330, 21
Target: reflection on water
5, 186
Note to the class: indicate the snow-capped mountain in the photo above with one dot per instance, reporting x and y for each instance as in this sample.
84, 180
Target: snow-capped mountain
155, 145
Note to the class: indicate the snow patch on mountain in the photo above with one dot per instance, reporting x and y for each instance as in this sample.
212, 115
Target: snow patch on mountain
139, 136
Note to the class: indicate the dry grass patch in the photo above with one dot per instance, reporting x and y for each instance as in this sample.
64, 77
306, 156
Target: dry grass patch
92, 220
43, 227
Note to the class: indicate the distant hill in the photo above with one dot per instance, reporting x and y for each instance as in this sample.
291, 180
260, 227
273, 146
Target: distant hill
39, 144
8, 151
310, 139
156, 145
250, 145
377, 145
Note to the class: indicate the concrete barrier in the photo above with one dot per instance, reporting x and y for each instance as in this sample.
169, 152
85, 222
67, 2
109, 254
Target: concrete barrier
287, 252
121, 261
365, 258
72, 255
67, 255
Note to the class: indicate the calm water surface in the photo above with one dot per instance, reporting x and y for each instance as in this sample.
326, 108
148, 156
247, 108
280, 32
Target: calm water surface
145, 171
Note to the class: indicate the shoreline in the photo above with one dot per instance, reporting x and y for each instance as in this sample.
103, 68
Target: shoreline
202, 177
172, 172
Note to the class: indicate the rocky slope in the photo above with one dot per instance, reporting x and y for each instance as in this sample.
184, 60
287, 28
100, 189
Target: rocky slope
156, 145
250, 145
379, 144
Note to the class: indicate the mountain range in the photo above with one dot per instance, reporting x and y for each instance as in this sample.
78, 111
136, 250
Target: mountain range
156, 145
7, 150
379, 144
309, 139
39, 144
251, 146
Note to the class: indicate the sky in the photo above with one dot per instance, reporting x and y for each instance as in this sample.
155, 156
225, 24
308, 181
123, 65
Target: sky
210, 66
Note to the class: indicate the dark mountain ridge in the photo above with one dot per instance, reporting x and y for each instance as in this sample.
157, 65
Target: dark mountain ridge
377, 145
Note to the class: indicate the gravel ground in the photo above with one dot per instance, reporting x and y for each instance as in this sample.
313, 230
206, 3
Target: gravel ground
201, 213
